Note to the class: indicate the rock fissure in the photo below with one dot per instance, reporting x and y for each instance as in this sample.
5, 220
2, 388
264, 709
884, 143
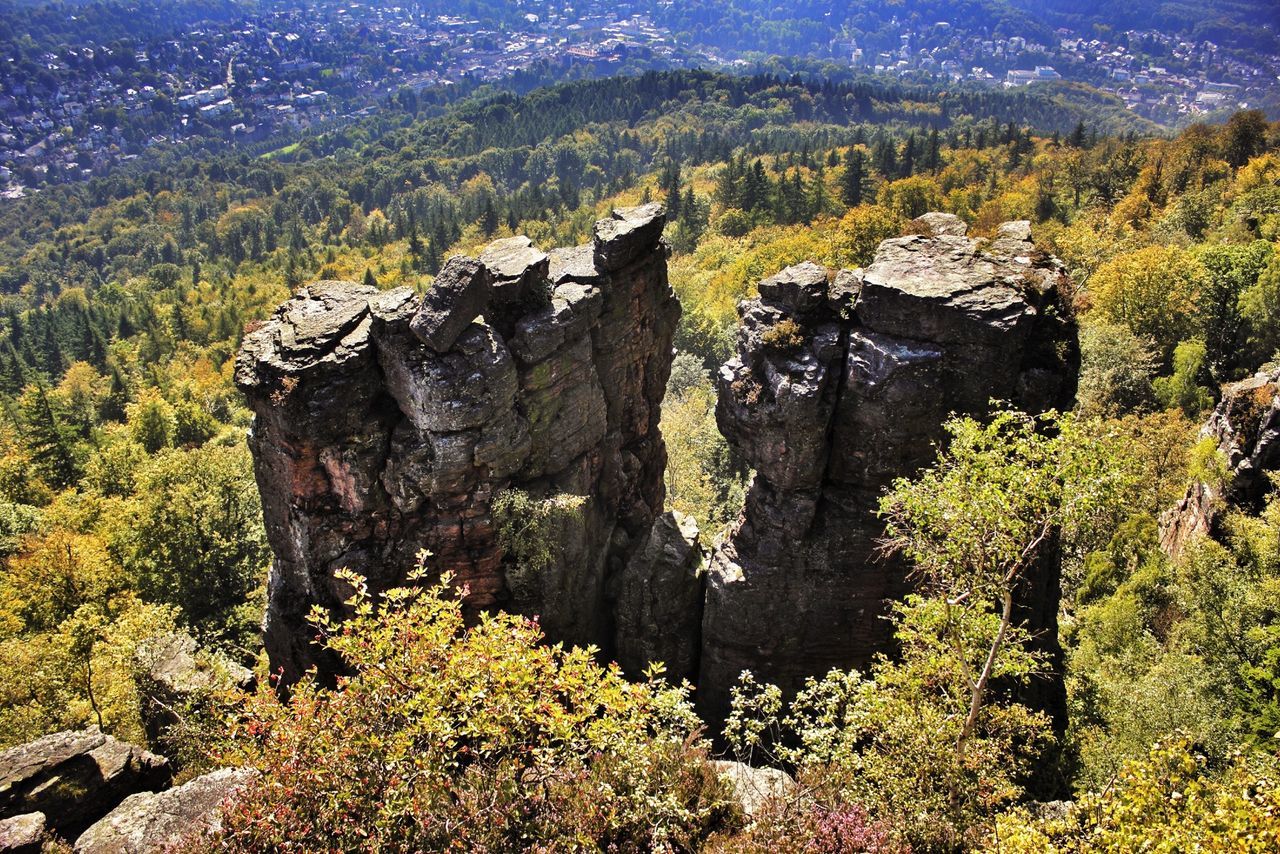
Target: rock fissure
544, 372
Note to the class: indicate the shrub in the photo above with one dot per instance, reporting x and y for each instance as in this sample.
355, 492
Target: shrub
483, 738
785, 825
784, 336
896, 742
1169, 802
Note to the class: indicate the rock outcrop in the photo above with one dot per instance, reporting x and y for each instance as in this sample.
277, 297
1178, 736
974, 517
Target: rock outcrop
22, 834
176, 678
387, 424
163, 821
75, 778
1245, 426
838, 388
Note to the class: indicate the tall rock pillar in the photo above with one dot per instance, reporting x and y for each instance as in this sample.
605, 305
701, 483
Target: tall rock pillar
387, 424
839, 387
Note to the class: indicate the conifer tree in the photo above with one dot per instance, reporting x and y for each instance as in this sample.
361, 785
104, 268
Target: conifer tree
51, 440
854, 179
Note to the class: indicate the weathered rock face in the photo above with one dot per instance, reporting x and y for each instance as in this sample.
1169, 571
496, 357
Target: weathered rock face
387, 424
175, 678
163, 821
22, 834
1245, 425
658, 600
75, 778
838, 389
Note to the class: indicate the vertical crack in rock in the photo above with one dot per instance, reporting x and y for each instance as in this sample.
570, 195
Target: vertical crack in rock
836, 390
388, 423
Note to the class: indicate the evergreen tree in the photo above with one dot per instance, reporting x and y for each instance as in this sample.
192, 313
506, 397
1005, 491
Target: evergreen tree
933, 153
853, 182
489, 219
51, 440
415, 241
886, 158
908, 164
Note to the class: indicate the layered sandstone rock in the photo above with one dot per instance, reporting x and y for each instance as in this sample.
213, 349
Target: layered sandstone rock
388, 423
1245, 426
836, 390
74, 778
165, 821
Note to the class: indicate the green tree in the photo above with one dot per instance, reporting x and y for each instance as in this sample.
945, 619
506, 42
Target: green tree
52, 440
981, 519
1260, 307
853, 182
1182, 389
1154, 291
197, 539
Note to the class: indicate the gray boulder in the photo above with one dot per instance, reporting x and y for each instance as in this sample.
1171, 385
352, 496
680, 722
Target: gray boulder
163, 821
175, 676
457, 296
22, 834
936, 224
752, 786
798, 291
75, 778
627, 235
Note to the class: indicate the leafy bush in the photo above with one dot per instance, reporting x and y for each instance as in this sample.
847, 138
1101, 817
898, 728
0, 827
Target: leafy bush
900, 743
784, 336
480, 738
786, 825
1169, 802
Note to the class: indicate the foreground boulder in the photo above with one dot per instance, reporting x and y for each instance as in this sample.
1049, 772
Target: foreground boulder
1245, 427
22, 834
387, 424
835, 391
75, 778
163, 821
753, 786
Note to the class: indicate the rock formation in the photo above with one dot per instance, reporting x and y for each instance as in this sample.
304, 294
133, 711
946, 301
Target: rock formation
388, 424
22, 834
1245, 426
164, 821
837, 389
75, 778
176, 678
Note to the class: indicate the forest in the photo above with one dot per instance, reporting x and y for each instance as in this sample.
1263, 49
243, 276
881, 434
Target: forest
128, 507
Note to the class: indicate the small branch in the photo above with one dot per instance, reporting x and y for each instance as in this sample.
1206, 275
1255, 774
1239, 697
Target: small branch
980, 689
